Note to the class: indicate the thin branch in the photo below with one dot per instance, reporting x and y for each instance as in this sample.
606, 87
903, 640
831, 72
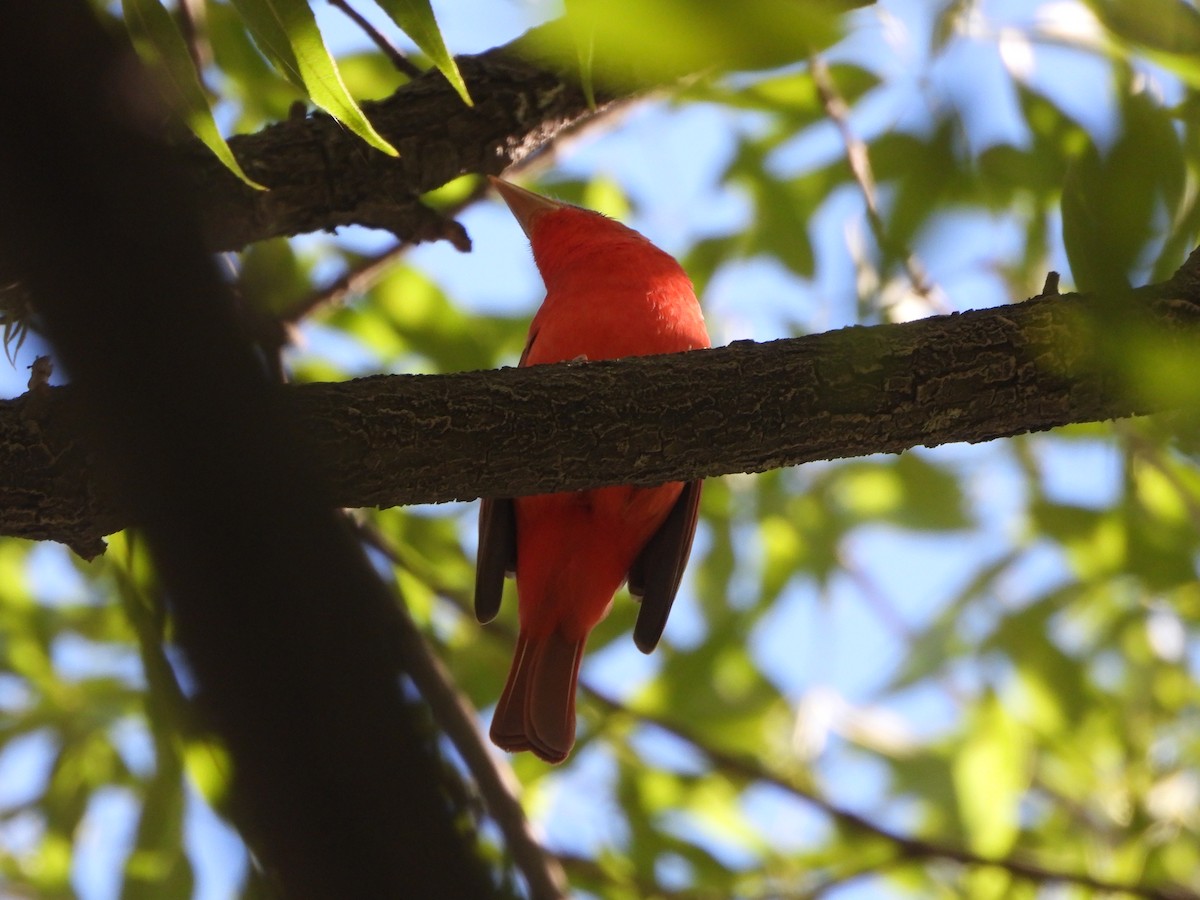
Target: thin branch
457, 719
907, 848
192, 23
857, 156
390, 50
905, 845
367, 274
351, 283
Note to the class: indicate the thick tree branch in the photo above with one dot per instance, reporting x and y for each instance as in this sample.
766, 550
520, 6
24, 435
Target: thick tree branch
321, 176
526, 93
393, 440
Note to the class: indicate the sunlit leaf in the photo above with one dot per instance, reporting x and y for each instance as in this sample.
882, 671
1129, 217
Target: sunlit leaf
583, 30
286, 31
416, 19
1110, 196
629, 49
1166, 25
160, 44
261, 92
990, 772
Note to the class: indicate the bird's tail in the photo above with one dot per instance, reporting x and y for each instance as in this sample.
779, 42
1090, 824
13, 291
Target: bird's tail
537, 708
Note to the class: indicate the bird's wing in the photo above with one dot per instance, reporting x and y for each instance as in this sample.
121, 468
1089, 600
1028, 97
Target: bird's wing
497, 555
656, 573
533, 332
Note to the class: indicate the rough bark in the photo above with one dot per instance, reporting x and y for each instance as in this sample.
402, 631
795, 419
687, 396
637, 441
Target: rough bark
525, 93
322, 176
392, 440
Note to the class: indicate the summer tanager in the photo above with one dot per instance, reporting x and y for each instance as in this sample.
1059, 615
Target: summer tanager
609, 293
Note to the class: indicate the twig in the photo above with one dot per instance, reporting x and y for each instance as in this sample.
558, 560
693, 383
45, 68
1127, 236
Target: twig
192, 25
390, 50
876, 599
837, 882
906, 846
356, 281
456, 717
362, 278
860, 167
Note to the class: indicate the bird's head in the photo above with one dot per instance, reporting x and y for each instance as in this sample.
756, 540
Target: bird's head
570, 239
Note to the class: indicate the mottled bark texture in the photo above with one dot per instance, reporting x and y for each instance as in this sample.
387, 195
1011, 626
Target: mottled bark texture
525, 94
321, 176
391, 440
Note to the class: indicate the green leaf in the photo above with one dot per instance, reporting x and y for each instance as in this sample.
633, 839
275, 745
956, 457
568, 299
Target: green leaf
583, 30
416, 19
157, 865
261, 94
907, 490
1164, 25
989, 778
161, 46
1109, 200
1052, 683
272, 281
640, 42
287, 33
791, 94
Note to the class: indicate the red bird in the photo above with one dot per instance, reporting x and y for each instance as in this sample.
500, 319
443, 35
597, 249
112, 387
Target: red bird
609, 293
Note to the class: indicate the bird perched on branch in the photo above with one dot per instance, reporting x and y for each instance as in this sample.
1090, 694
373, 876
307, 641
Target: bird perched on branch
609, 293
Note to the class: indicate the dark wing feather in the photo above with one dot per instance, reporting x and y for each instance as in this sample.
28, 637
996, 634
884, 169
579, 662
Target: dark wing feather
497, 541
497, 555
658, 569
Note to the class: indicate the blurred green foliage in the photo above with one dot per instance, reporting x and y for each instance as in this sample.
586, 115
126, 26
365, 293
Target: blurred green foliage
1041, 704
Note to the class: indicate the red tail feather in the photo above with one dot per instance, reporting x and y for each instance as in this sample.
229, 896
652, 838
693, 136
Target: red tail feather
537, 708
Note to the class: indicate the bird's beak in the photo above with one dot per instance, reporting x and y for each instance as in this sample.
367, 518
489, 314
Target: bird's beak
527, 207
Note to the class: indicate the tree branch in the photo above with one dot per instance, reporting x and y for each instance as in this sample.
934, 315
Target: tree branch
905, 846
526, 93
396, 440
321, 176
455, 716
